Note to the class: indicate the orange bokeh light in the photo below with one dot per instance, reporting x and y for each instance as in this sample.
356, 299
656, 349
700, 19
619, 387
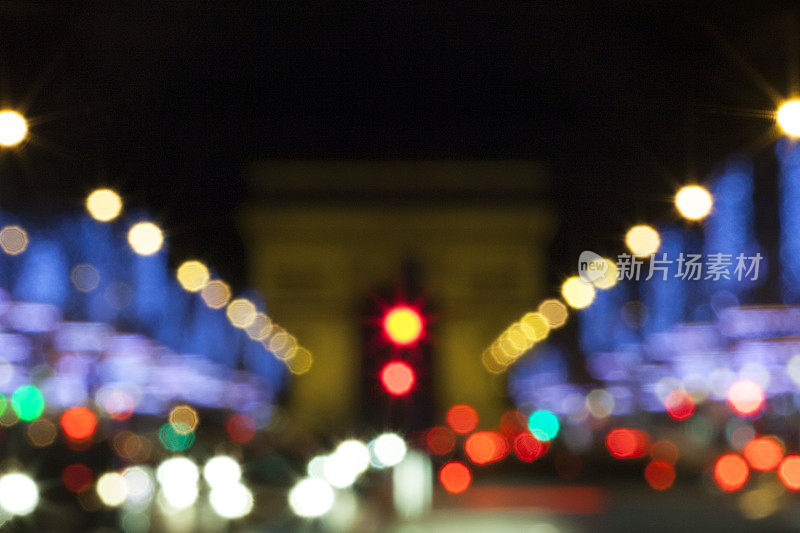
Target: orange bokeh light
731, 472
746, 397
626, 443
664, 450
789, 472
440, 440
398, 378
763, 453
486, 447
78, 423
528, 448
660, 475
512, 423
462, 418
679, 405
455, 477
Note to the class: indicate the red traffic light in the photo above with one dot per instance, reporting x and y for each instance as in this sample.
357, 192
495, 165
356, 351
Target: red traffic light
403, 325
398, 378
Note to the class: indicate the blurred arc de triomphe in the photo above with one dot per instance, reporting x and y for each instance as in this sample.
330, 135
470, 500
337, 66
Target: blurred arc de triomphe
321, 235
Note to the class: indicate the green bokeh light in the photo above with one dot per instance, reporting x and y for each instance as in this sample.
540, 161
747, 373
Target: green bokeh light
27, 402
544, 425
174, 441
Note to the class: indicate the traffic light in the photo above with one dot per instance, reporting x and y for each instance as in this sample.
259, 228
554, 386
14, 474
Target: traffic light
398, 378
403, 325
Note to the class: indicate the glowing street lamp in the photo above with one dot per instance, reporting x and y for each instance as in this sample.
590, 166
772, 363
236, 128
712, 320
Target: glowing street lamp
13, 128
788, 117
694, 202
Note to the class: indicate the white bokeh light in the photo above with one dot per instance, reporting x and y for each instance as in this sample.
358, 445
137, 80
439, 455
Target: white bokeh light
231, 501
112, 489
387, 450
18, 493
310, 498
222, 470
177, 471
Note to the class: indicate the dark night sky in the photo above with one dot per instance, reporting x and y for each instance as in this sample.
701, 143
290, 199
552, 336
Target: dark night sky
168, 101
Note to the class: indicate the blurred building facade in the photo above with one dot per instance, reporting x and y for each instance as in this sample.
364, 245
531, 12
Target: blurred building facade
324, 236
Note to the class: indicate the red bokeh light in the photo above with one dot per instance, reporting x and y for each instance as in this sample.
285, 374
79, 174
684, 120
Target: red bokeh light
679, 404
512, 423
529, 448
626, 443
455, 477
241, 428
462, 418
660, 475
763, 453
789, 472
77, 477
440, 440
731, 472
486, 447
746, 397
78, 423
398, 378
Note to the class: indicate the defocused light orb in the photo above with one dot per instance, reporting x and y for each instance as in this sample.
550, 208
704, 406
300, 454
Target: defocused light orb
18, 493
577, 293
609, 278
300, 362
544, 425
13, 128
41, 432
354, 454
78, 423
746, 397
659, 475
664, 450
193, 275
241, 312
455, 477
389, 449
104, 205
216, 294
625, 443
403, 325
462, 418
175, 440
529, 448
177, 470
221, 470
679, 404
788, 117
642, 241
440, 440
484, 447
27, 402
241, 428
763, 453
112, 489
789, 472
554, 311
13, 240
145, 238
694, 202
180, 496
311, 498
260, 328
731, 472
183, 419
139, 483
232, 501
77, 477
85, 278
534, 326
397, 378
